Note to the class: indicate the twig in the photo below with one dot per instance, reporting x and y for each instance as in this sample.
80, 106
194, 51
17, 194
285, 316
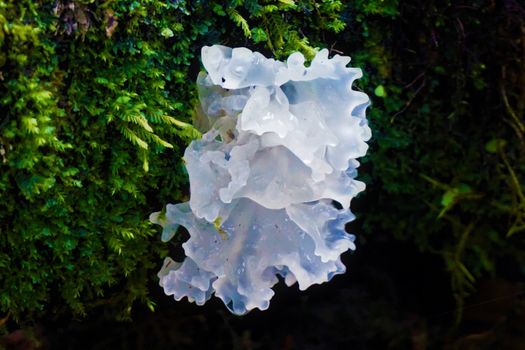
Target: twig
409, 102
415, 80
335, 50
461, 27
514, 127
463, 240
513, 176
5, 319
510, 111
518, 125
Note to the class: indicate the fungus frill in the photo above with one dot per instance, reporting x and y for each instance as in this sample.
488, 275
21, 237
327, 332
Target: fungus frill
281, 145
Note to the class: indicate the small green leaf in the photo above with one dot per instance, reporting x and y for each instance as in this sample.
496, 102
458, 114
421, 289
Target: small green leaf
167, 33
493, 145
259, 35
151, 305
379, 91
178, 27
449, 197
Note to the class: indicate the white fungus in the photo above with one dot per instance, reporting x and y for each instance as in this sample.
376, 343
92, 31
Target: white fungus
281, 145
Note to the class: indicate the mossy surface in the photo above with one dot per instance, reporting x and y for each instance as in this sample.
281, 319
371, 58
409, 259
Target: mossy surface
96, 104
96, 100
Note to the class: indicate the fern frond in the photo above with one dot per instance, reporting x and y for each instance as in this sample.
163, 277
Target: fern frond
132, 136
153, 138
269, 8
160, 141
139, 120
290, 3
240, 21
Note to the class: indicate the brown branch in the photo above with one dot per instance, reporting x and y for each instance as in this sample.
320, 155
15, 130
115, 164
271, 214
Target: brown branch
5, 319
409, 102
415, 80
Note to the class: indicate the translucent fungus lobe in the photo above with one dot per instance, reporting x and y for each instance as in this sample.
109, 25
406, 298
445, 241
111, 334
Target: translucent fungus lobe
280, 146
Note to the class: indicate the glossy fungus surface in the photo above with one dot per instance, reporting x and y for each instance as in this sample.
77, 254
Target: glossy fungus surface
280, 147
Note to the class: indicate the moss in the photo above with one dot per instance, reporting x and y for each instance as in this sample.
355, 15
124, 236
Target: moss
449, 79
96, 100
96, 104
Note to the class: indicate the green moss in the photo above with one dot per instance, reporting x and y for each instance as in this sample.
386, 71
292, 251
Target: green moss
96, 101
96, 105
446, 168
